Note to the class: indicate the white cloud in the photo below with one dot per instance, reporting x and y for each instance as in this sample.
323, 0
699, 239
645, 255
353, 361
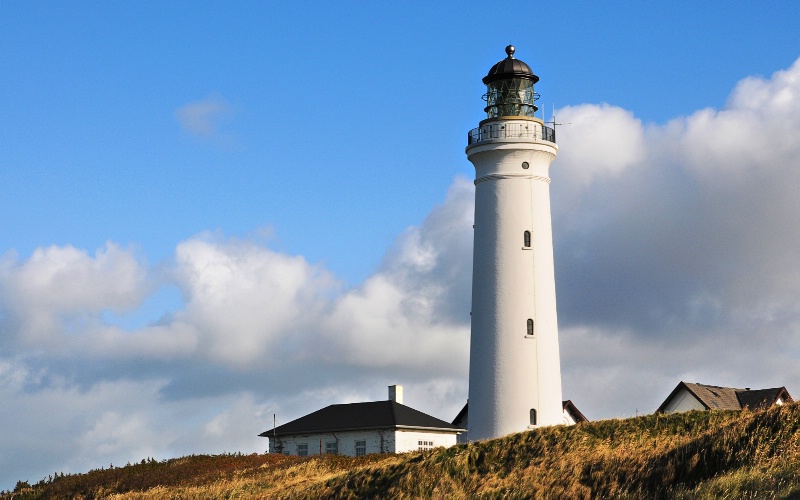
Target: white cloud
252, 320
597, 141
244, 300
685, 261
752, 136
61, 427
60, 289
202, 118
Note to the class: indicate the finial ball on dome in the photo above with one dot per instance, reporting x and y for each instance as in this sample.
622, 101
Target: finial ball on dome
508, 69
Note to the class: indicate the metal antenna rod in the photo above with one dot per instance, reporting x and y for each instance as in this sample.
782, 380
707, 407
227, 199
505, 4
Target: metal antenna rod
553, 119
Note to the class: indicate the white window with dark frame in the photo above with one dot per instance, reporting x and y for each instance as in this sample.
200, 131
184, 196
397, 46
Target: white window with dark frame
425, 445
332, 448
361, 448
302, 449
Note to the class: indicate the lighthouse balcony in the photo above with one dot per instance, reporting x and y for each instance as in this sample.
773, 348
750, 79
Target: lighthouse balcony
532, 131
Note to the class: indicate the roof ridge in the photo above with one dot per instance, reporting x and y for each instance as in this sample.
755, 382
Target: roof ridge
351, 416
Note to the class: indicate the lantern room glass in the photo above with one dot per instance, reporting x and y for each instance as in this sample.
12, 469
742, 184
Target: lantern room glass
510, 97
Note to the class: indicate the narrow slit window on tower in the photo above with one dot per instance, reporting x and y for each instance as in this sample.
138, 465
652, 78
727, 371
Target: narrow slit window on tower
533, 416
530, 327
526, 239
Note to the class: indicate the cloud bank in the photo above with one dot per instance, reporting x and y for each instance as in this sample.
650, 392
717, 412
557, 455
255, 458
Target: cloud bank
676, 255
682, 253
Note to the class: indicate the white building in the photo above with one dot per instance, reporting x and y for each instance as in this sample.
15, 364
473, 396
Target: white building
514, 373
360, 428
689, 396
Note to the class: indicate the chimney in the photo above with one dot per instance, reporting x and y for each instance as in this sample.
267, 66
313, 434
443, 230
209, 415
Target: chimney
396, 393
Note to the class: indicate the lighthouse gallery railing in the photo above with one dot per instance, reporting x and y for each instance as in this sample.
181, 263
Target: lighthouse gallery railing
511, 131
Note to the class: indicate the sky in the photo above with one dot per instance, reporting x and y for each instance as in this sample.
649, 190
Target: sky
212, 212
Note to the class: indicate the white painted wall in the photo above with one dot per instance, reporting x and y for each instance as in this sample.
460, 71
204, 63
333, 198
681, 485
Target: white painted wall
409, 440
346, 442
463, 438
567, 419
388, 441
683, 401
510, 372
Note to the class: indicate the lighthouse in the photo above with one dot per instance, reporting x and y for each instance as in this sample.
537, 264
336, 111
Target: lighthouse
514, 368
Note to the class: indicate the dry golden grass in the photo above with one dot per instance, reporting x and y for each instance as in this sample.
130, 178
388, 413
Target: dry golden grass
693, 455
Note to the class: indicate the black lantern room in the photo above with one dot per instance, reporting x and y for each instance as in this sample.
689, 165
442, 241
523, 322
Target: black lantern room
509, 88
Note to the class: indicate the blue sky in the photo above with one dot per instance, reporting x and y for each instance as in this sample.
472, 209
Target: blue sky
190, 190
325, 109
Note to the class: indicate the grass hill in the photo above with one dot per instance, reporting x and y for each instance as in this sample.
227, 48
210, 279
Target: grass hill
691, 455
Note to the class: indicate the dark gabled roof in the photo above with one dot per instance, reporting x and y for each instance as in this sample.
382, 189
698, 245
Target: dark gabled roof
713, 397
462, 414
762, 398
356, 416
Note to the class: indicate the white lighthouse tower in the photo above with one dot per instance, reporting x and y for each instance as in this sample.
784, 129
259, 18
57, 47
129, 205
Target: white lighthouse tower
514, 371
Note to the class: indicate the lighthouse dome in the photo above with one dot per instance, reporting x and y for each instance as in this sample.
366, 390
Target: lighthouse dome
510, 68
